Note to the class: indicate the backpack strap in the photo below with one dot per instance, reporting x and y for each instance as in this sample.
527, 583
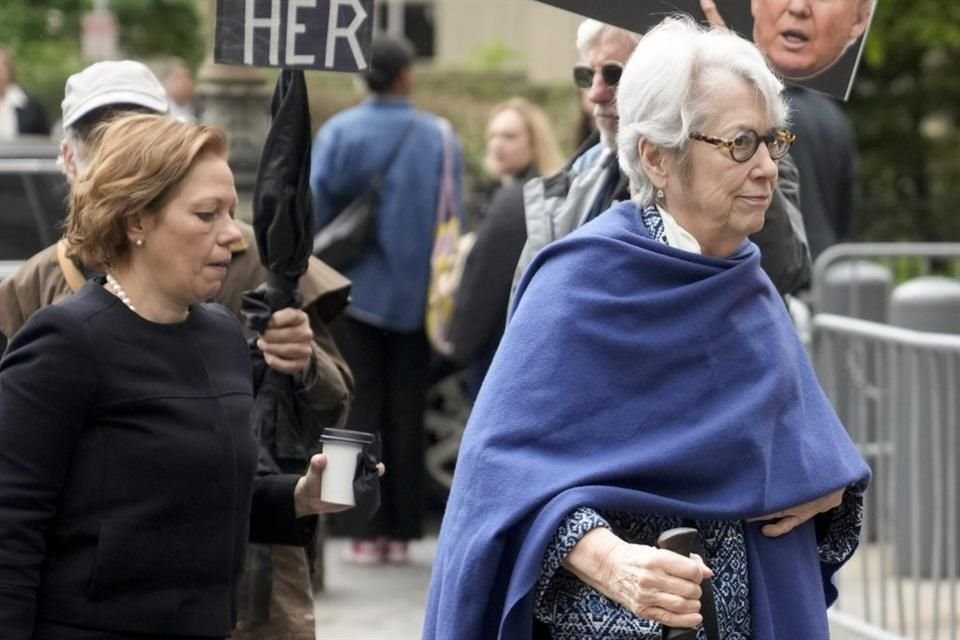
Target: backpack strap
378, 177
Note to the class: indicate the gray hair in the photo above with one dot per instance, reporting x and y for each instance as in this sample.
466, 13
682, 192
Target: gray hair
666, 88
590, 31
78, 149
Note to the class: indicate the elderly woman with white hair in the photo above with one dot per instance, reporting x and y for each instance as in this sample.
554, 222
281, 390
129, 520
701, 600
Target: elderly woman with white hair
663, 386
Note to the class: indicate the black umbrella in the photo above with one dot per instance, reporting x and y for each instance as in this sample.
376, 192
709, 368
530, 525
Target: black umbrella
282, 216
283, 222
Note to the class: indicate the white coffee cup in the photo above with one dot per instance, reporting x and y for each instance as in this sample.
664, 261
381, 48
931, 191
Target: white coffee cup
341, 447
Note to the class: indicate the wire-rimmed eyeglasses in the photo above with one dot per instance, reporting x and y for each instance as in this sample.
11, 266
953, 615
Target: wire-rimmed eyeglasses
610, 72
745, 144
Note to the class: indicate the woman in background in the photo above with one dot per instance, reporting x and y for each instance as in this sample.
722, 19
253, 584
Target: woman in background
520, 145
20, 113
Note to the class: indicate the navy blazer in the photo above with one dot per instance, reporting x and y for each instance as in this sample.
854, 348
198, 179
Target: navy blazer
32, 118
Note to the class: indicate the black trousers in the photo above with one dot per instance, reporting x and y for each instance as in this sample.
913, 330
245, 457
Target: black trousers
390, 373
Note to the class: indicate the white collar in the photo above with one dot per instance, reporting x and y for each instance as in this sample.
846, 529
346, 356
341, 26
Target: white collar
677, 236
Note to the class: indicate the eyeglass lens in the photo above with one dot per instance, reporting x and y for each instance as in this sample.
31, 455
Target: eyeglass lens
610, 73
747, 142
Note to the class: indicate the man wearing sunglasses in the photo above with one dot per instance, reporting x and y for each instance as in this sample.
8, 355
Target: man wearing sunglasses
592, 181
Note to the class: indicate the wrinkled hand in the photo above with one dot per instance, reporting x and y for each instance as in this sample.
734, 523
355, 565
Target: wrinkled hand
286, 343
306, 494
655, 584
712, 14
789, 519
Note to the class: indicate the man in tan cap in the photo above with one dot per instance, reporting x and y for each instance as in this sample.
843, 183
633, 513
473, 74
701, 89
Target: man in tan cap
296, 342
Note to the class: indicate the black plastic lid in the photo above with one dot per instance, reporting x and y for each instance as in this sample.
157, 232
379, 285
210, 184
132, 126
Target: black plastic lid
346, 435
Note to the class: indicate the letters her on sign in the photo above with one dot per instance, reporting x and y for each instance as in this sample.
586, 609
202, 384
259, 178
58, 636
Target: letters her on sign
330, 35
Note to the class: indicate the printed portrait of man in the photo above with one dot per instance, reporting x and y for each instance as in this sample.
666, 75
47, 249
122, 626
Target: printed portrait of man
802, 38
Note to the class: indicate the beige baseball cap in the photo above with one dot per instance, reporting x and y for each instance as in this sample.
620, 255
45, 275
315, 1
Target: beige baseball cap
112, 82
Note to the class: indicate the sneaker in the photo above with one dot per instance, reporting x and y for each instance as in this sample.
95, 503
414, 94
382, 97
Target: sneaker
397, 552
363, 552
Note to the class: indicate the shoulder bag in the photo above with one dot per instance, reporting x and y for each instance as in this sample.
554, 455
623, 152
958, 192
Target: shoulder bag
348, 236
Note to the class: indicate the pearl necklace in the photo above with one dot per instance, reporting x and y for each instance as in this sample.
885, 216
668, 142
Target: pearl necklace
118, 290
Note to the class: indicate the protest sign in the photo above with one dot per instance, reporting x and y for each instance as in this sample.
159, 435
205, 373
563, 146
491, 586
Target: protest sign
329, 35
811, 43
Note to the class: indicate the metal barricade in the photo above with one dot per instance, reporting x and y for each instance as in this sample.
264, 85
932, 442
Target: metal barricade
901, 408
846, 279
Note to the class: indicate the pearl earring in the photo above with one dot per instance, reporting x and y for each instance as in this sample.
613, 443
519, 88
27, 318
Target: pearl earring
139, 242
659, 194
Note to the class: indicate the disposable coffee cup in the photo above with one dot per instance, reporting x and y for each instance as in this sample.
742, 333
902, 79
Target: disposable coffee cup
341, 447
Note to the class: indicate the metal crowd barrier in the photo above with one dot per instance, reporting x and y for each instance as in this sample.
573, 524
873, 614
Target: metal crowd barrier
856, 279
896, 390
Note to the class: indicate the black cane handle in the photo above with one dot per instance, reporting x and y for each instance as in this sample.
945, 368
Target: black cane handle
685, 540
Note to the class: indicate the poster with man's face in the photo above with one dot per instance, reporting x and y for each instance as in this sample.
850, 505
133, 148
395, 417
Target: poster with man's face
812, 43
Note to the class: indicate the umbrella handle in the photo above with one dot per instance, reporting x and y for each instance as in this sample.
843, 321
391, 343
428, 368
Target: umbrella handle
686, 540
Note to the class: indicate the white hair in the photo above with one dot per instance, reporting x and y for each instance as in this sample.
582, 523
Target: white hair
590, 31
668, 84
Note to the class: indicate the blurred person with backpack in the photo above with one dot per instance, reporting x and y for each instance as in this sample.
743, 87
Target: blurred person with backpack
382, 332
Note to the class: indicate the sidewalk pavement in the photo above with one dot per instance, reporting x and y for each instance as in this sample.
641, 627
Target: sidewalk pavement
380, 602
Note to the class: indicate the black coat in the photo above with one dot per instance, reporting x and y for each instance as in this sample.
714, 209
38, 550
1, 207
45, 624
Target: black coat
32, 118
480, 308
827, 159
127, 485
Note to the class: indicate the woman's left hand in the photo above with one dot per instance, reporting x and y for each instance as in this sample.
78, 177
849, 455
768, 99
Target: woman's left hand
306, 495
787, 520
286, 343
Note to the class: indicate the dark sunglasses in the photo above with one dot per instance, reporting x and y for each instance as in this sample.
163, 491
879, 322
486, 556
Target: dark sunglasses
745, 144
610, 72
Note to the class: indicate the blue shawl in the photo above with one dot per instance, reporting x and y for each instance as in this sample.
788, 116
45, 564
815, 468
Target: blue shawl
637, 377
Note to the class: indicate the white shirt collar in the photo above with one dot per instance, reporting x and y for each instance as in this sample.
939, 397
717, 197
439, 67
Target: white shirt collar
14, 98
677, 236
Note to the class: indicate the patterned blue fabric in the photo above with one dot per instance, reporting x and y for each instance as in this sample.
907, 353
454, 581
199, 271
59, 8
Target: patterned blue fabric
574, 610
653, 221
638, 378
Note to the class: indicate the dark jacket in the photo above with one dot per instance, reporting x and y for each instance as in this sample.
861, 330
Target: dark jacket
127, 472
480, 308
826, 157
32, 118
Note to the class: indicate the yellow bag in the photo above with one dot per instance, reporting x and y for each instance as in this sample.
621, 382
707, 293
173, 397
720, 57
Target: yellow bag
446, 262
